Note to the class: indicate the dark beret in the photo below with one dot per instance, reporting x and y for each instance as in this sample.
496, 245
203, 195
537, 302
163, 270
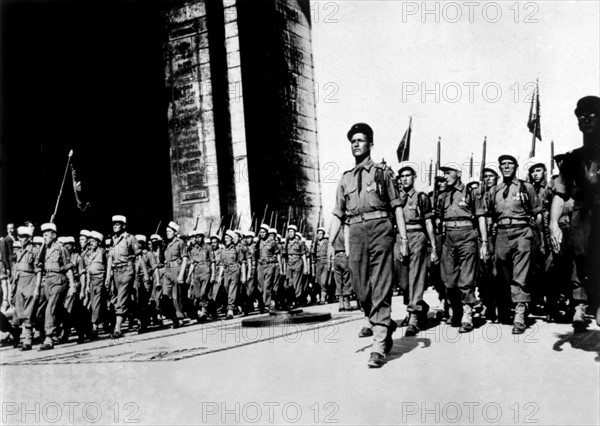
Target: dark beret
363, 128
508, 157
589, 104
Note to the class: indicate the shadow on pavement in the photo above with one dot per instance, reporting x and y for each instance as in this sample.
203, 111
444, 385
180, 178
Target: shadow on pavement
405, 345
588, 341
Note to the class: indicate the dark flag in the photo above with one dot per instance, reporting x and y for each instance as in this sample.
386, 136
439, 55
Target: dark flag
77, 191
533, 124
403, 150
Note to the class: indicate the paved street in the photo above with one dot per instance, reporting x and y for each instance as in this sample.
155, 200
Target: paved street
223, 373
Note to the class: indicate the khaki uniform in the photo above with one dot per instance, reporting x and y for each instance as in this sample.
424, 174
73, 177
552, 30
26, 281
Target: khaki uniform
366, 196
321, 265
294, 252
512, 206
95, 266
341, 272
123, 252
412, 270
24, 285
53, 261
202, 259
143, 286
171, 303
266, 267
231, 262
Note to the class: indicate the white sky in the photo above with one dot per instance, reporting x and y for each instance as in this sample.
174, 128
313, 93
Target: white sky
368, 55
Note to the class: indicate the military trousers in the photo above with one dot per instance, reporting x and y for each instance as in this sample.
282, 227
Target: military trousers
170, 299
266, 274
124, 277
97, 297
201, 286
231, 281
295, 277
585, 243
341, 273
459, 257
55, 289
24, 301
143, 293
371, 270
413, 271
321, 275
513, 261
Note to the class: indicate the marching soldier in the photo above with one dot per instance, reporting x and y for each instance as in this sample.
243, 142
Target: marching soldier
435, 275
419, 227
460, 212
579, 179
320, 263
176, 260
75, 311
232, 270
125, 249
143, 283
94, 259
202, 270
491, 297
156, 242
295, 256
252, 291
513, 204
24, 281
268, 260
366, 198
215, 243
343, 283
84, 236
541, 258
54, 272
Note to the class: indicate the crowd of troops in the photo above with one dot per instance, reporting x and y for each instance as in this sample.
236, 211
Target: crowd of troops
501, 249
96, 285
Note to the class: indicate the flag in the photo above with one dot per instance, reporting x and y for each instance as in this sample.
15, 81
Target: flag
77, 190
403, 150
533, 124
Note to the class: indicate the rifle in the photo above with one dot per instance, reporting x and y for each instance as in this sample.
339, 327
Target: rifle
61, 187
209, 227
264, 214
251, 222
158, 226
196, 225
239, 220
483, 189
271, 220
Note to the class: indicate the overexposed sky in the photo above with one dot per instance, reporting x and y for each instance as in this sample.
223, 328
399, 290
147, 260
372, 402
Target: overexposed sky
462, 70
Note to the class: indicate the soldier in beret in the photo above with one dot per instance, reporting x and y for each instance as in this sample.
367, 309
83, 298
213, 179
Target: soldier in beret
24, 285
579, 179
202, 270
176, 260
366, 200
94, 259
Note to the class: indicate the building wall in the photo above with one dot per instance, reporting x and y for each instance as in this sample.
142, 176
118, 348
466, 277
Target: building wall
241, 112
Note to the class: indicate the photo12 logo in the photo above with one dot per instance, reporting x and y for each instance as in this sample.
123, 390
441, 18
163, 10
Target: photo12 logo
469, 11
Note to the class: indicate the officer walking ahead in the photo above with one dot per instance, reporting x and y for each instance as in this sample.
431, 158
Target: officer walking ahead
580, 179
366, 199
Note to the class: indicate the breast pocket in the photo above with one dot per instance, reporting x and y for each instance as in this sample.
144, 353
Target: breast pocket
373, 198
351, 196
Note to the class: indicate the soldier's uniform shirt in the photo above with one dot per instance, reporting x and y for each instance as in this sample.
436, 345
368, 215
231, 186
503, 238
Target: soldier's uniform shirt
266, 267
54, 266
123, 252
202, 257
579, 179
371, 241
24, 284
231, 259
175, 252
412, 271
95, 265
512, 205
341, 272
294, 251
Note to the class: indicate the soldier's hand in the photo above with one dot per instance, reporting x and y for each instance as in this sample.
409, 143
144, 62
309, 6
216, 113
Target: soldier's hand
483, 252
556, 236
404, 249
434, 257
5, 305
36, 292
72, 291
180, 280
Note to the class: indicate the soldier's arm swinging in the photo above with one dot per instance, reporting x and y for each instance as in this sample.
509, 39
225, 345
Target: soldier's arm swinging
399, 214
108, 273
483, 252
431, 236
181, 276
555, 231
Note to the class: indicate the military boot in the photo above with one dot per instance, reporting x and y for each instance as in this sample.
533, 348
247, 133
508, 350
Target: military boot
413, 325
347, 304
466, 322
341, 307
580, 322
323, 300
520, 317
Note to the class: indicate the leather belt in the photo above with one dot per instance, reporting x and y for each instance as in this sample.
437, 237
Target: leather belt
414, 227
123, 265
173, 264
266, 261
455, 224
340, 251
363, 217
511, 221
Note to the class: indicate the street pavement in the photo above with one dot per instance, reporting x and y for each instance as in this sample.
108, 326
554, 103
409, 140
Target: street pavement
223, 373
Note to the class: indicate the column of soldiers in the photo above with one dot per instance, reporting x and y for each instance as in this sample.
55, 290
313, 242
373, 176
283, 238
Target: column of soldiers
503, 248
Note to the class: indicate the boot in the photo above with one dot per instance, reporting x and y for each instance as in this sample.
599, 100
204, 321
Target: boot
520, 317
323, 300
47, 345
203, 314
229, 314
413, 325
341, 307
580, 322
466, 322
347, 305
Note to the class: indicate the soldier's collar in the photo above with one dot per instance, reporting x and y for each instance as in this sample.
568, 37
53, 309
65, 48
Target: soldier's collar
366, 164
459, 186
411, 192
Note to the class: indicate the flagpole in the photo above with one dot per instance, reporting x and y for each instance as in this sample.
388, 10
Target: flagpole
61, 187
532, 152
